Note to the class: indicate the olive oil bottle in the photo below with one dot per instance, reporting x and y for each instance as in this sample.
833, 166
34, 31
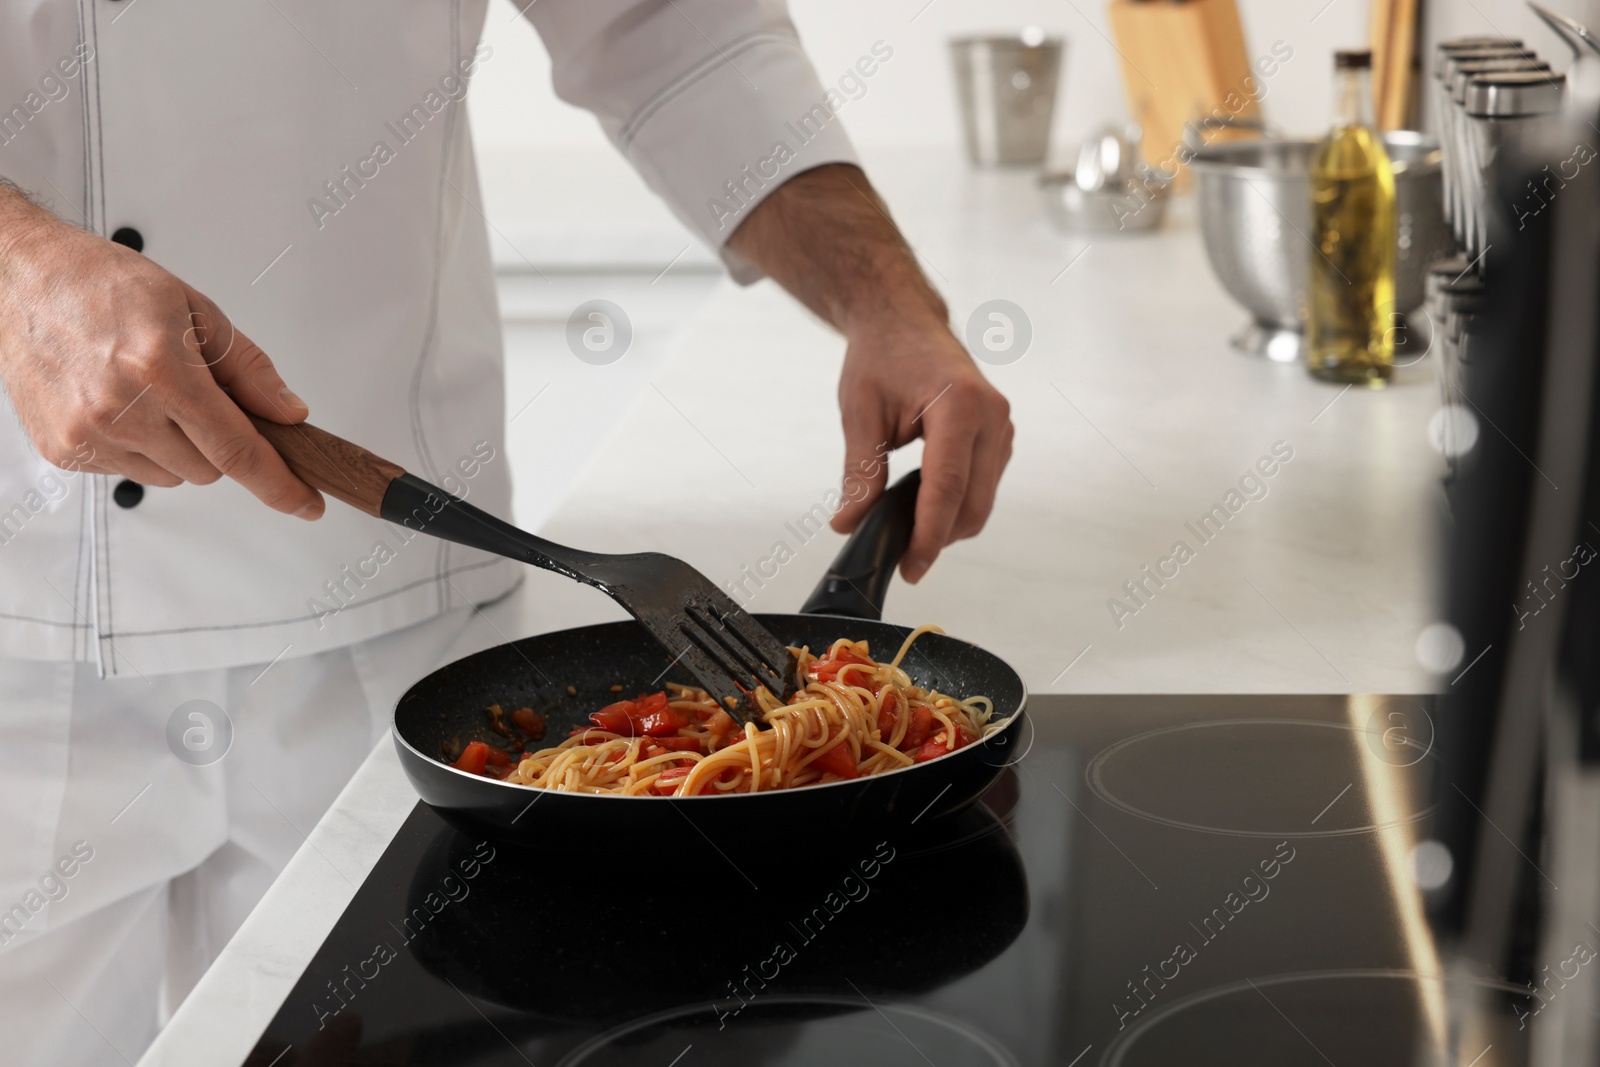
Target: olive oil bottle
1350, 320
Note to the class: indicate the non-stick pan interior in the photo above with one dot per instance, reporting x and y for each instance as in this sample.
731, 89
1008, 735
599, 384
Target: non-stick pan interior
605, 663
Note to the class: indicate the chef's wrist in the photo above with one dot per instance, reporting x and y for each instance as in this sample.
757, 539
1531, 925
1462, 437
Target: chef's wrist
15, 205
11, 192
898, 301
21, 220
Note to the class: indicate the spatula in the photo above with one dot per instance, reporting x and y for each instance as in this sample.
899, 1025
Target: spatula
717, 642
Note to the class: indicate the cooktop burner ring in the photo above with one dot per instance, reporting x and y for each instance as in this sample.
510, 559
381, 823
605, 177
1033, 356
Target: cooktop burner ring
1117, 1051
975, 1040
1095, 774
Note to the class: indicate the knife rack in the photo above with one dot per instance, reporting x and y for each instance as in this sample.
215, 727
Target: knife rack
1181, 61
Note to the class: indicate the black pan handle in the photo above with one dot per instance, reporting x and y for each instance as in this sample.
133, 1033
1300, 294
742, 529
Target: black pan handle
858, 579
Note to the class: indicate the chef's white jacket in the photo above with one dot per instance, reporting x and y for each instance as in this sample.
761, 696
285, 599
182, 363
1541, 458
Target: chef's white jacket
308, 165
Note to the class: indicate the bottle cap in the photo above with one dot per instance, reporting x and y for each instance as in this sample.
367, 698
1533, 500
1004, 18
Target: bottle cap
1512, 93
1353, 59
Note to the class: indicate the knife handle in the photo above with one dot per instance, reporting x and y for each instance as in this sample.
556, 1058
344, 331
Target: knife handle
323, 461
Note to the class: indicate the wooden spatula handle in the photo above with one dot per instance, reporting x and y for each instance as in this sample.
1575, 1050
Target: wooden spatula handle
343, 470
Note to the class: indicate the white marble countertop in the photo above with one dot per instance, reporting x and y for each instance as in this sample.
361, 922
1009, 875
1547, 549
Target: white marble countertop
1133, 418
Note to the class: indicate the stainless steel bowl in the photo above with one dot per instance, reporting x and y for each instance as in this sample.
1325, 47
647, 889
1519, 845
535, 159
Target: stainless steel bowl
1254, 201
1136, 206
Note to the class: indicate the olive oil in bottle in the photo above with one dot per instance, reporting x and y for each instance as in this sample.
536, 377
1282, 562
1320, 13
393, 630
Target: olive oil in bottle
1350, 321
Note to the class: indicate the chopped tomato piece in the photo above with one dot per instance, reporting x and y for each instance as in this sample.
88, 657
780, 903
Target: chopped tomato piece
920, 729
827, 670
886, 717
838, 760
725, 776
618, 718
670, 780
649, 704
660, 746
939, 745
529, 722
473, 758
497, 758
663, 723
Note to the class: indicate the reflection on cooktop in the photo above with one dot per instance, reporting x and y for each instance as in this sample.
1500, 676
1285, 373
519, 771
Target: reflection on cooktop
868, 919
1160, 880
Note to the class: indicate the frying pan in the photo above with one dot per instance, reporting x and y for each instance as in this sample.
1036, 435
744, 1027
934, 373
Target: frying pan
446, 709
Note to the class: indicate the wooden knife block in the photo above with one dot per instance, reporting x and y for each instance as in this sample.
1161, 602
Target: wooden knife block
1183, 60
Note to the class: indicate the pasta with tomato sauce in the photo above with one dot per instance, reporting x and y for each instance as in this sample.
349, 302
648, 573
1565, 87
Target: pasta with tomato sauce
852, 716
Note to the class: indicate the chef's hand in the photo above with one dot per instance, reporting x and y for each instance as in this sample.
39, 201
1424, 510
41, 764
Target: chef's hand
902, 381
825, 236
115, 366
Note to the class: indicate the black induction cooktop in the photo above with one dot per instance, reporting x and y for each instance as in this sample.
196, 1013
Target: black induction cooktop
1194, 880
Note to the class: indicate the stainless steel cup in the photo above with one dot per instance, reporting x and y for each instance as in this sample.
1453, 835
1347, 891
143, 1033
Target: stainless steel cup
1006, 85
1453, 296
1471, 189
1443, 109
1507, 113
1461, 184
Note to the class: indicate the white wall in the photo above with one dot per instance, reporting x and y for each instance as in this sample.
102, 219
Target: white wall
543, 159
1510, 18
911, 101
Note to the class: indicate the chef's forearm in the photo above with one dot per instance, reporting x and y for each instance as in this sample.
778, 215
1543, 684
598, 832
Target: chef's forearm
826, 237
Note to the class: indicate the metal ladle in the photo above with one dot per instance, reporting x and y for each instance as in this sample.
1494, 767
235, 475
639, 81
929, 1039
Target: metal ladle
1102, 161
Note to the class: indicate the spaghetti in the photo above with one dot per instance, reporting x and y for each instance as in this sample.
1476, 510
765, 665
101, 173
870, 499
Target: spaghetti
851, 717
